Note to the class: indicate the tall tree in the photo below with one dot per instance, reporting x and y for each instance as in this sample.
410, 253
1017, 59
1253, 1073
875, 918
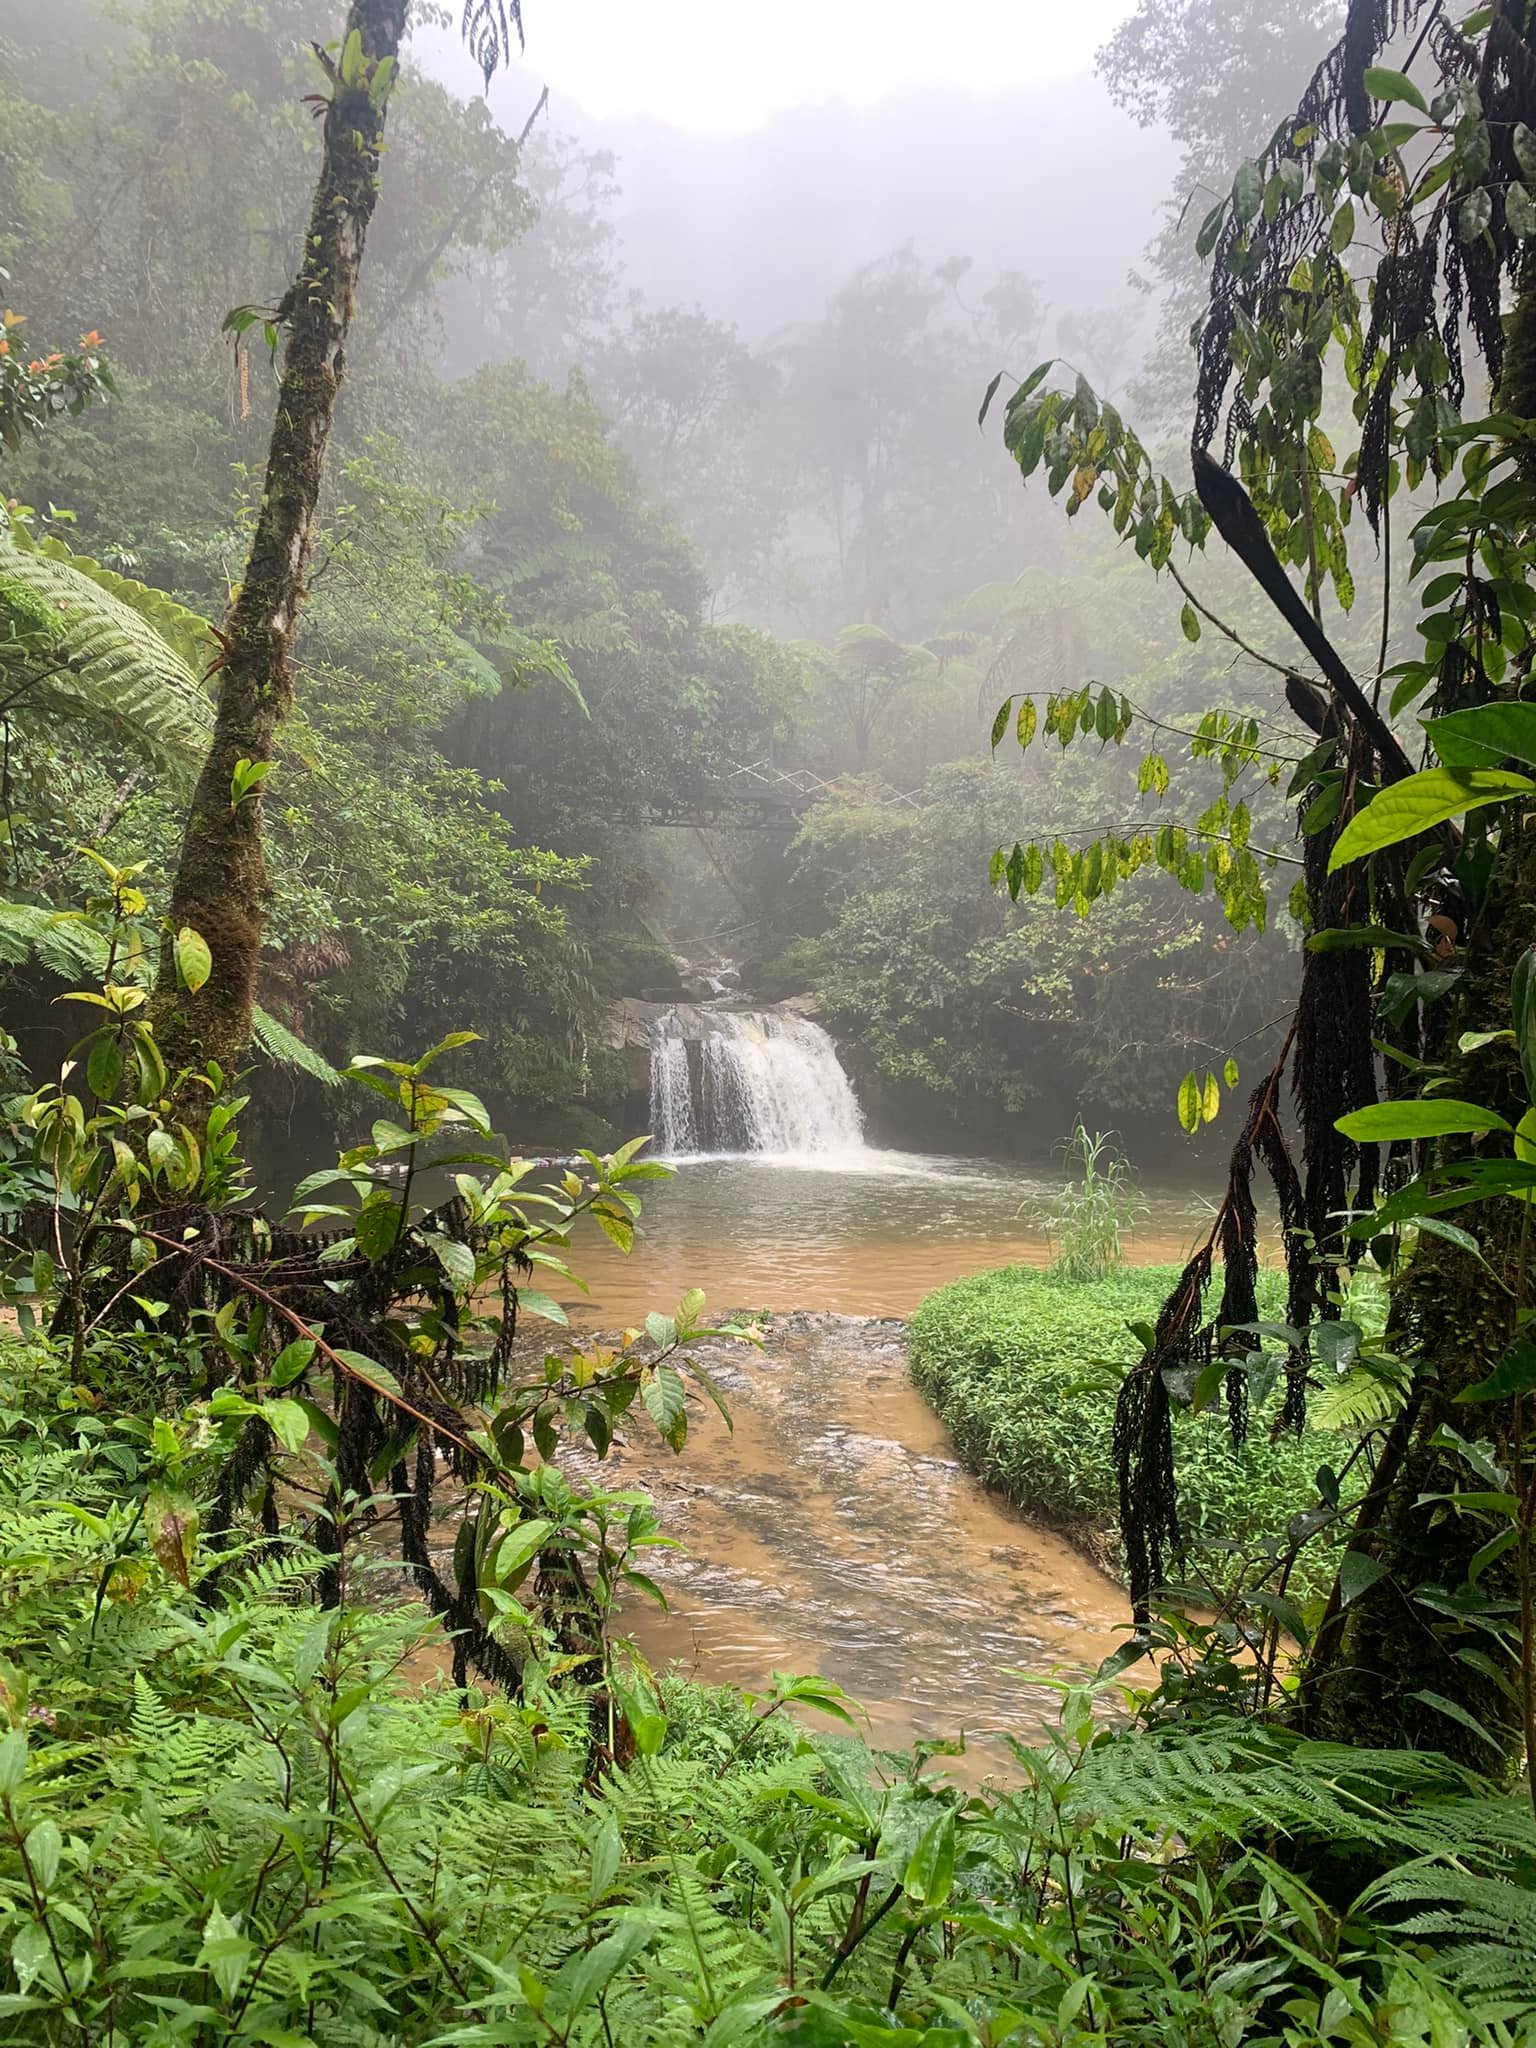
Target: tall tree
221, 888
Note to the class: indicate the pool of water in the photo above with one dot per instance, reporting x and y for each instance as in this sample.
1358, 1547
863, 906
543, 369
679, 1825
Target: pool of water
833, 1529
862, 1232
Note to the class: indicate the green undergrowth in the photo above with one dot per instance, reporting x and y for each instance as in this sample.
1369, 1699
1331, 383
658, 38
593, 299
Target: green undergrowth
1023, 1367
229, 1815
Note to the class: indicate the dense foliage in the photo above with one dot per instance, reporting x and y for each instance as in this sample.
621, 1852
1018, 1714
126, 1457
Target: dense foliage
448, 817
317, 1722
1024, 1368
231, 1815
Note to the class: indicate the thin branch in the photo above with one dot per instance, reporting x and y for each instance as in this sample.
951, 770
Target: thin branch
1221, 625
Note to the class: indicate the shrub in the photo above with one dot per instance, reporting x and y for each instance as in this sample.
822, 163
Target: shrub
1023, 1369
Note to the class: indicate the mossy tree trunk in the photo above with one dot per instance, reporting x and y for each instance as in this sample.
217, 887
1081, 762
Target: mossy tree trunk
221, 888
1375, 1659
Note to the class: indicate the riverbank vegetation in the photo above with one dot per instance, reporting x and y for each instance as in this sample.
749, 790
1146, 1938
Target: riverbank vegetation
237, 1809
1025, 1368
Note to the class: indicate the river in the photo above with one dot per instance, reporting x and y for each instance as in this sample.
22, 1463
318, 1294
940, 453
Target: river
859, 1231
834, 1530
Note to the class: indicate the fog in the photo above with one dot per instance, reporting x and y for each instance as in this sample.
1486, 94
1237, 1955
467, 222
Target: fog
670, 587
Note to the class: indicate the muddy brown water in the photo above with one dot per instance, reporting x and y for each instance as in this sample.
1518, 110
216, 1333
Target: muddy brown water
834, 1530
867, 1232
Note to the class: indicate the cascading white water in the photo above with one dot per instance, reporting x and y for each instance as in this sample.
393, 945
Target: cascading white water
749, 1081
671, 1089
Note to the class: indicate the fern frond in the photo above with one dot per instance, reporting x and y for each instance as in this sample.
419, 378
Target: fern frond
64, 945
1366, 1397
285, 1050
87, 643
1490, 1922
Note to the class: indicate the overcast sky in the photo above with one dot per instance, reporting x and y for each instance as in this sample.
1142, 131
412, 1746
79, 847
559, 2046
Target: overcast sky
729, 65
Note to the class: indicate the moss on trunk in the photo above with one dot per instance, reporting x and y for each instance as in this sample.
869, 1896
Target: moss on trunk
1375, 1659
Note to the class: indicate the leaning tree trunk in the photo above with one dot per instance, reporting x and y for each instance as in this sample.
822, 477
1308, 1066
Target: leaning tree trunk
1375, 1659
221, 888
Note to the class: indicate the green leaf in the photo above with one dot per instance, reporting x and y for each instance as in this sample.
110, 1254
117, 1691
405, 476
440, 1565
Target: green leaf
454, 1256
521, 1542
104, 1067
531, 1301
225, 1952
1229, 1072
1430, 1117
288, 1422
1210, 1099
1522, 991
1248, 191
377, 1225
13, 1760
1342, 232
45, 1845
1484, 736
1514, 1374
1524, 144
1340, 938
1382, 84
1476, 214
1000, 722
291, 1361
1189, 1103
1520, 212
1420, 802
1357, 1574
1459, 1715
1027, 721
194, 962
665, 1399
1433, 1116
647, 1723
930, 1871
1189, 623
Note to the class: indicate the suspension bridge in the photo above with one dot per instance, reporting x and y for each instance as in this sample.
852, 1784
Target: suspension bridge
759, 796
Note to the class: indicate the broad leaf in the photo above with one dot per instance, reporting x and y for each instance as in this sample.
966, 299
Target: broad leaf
1485, 735
1419, 803
1383, 84
1429, 1117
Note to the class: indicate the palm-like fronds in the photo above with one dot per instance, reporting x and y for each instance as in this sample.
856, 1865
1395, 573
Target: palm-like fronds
73, 949
82, 642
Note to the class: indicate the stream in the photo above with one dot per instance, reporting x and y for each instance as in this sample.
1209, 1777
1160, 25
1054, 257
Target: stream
834, 1530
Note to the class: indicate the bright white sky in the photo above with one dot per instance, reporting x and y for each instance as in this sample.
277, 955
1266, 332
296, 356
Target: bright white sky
728, 65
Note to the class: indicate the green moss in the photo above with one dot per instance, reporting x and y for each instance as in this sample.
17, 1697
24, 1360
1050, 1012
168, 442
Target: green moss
1024, 1368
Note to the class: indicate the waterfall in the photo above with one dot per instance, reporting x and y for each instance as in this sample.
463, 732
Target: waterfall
749, 1081
671, 1089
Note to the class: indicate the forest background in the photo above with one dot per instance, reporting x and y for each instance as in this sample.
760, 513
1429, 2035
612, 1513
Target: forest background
587, 555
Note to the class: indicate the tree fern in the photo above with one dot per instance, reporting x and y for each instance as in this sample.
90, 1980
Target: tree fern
79, 641
71, 949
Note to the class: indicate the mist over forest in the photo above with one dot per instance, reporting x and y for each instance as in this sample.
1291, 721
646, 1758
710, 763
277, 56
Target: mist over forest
767, 1024
695, 415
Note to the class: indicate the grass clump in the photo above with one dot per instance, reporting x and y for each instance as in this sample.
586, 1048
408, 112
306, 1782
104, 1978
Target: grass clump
1093, 1212
1023, 1367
